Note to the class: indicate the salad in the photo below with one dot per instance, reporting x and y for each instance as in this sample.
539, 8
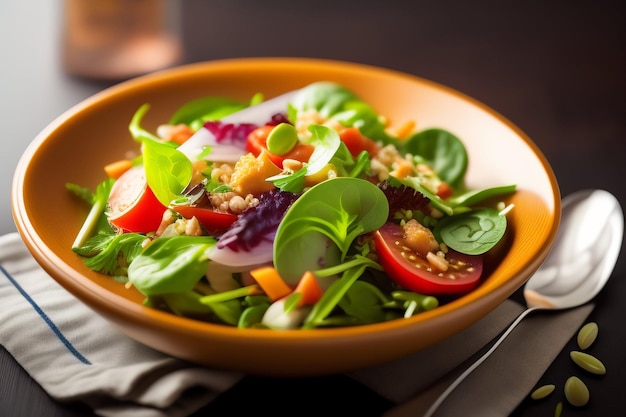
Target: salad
304, 211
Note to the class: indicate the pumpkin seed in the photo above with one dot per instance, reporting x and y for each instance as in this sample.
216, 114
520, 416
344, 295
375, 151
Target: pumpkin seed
588, 362
587, 335
576, 392
558, 410
542, 392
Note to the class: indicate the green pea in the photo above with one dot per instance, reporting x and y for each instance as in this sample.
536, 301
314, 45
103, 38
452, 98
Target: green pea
282, 139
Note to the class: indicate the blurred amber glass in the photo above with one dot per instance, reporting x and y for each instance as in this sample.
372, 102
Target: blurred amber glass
120, 39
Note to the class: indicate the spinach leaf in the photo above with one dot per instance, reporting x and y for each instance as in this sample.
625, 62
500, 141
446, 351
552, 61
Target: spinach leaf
170, 264
334, 101
326, 97
443, 152
139, 133
436, 201
168, 171
195, 112
185, 303
473, 197
190, 304
365, 302
320, 226
473, 232
326, 142
294, 182
228, 311
298, 247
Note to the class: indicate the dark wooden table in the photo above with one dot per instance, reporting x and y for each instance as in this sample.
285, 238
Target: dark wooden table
556, 69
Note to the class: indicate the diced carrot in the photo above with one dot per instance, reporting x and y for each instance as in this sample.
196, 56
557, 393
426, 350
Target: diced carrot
271, 282
405, 129
444, 190
309, 288
116, 169
403, 169
181, 133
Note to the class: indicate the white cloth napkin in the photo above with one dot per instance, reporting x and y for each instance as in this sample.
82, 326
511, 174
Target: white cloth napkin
75, 355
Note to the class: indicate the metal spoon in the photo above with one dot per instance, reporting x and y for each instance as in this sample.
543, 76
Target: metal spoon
578, 266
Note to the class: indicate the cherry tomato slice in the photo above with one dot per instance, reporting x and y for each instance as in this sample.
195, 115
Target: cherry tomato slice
214, 222
257, 143
356, 142
301, 152
132, 205
412, 271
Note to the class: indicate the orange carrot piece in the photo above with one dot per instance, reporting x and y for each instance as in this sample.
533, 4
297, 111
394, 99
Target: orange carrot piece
309, 288
406, 129
116, 169
271, 282
181, 133
444, 190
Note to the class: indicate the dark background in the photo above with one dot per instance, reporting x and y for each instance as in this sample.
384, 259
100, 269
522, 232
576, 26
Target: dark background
555, 69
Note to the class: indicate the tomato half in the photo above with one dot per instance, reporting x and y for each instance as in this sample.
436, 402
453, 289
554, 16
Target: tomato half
132, 206
214, 222
413, 271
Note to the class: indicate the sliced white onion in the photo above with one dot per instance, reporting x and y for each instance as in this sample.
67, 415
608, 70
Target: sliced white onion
277, 318
196, 144
225, 153
261, 254
221, 278
259, 114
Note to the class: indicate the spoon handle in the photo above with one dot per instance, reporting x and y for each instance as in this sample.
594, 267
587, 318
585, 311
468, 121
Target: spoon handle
433, 408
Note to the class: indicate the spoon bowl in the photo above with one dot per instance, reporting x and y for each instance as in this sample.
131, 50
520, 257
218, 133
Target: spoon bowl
582, 258
583, 255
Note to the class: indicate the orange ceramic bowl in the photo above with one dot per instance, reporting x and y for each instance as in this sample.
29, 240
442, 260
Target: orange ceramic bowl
76, 146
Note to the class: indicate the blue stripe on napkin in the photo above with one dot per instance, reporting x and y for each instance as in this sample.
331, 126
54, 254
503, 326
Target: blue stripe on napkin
46, 319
